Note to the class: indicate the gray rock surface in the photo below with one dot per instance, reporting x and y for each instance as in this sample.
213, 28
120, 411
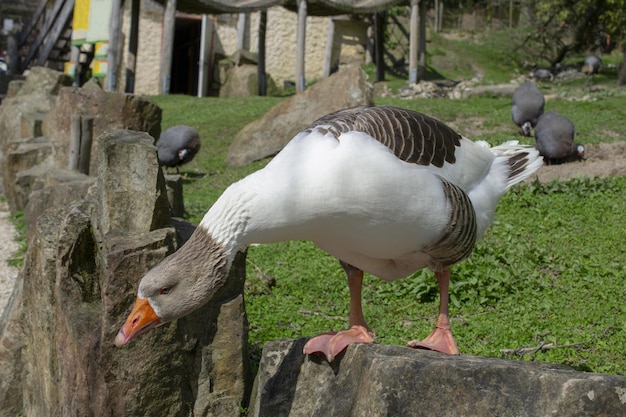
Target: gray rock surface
380, 380
77, 285
267, 136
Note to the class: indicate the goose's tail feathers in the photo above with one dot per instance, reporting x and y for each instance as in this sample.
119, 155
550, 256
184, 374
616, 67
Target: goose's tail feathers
521, 161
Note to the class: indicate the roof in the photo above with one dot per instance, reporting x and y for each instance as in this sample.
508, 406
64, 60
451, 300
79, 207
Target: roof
314, 7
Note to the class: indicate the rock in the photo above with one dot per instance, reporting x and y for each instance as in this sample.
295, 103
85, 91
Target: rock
21, 156
43, 80
110, 111
174, 186
129, 176
243, 81
78, 283
59, 194
380, 380
267, 136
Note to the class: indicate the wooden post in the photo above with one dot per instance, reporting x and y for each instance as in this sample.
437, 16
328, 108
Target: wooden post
436, 25
243, 33
133, 41
75, 130
167, 47
421, 51
203, 65
328, 55
379, 40
414, 29
86, 139
300, 45
114, 45
261, 64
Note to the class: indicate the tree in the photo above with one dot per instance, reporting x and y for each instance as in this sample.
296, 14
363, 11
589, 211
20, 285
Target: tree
562, 27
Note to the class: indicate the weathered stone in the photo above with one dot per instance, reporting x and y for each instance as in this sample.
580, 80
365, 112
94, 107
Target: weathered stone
31, 125
38, 177
110, 111
77, 289
61, 194
43, 80
132, 194
174, 184
381, 380
243, 81
267, 136
20, 157
11, 341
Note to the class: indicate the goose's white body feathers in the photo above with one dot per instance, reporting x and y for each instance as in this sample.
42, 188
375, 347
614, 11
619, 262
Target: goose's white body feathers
385, 190
355, 199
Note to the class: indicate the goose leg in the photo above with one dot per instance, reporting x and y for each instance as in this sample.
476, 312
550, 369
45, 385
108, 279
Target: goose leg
332, 343
440, 339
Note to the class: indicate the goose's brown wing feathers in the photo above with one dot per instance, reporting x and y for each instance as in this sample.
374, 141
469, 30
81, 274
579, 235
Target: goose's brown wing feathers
412, 136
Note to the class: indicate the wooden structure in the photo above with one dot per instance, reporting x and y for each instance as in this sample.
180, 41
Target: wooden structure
45, 40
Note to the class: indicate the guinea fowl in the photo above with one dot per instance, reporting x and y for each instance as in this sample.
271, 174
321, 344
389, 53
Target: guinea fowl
384, 190
555, 139
591, 67
178, 145
528, 103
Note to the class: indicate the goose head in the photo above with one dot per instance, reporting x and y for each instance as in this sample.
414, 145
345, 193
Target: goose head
182, 283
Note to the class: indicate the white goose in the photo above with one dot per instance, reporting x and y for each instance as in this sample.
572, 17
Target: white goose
385, 190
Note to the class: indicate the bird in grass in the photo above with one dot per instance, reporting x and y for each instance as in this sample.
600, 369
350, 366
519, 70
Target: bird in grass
527, 106
385, 190
177, 146
554, 136
591, 66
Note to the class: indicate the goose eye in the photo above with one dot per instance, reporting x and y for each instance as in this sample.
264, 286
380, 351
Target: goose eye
165, 290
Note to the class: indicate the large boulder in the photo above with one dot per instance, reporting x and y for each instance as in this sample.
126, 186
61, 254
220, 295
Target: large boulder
243, 81
78, 283
380, 380
35, 95
267, 136
109, 111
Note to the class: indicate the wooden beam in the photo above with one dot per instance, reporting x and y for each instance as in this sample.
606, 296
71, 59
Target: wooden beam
113, 48
262, 76
300, 46
421, 52
133, 41
379, 45
328, 55
413, 35
167, 47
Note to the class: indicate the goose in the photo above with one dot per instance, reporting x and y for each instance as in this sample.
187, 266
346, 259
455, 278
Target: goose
177, 145
554, 136
528, 103
384, 190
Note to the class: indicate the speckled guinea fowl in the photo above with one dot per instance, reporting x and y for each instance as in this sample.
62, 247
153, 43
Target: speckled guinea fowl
555, 139
177, 146
527, 106
384, 190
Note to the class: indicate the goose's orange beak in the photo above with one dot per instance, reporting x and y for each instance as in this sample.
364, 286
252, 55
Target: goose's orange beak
141, 319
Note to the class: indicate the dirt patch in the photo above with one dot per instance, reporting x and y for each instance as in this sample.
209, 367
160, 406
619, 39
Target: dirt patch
601, 160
